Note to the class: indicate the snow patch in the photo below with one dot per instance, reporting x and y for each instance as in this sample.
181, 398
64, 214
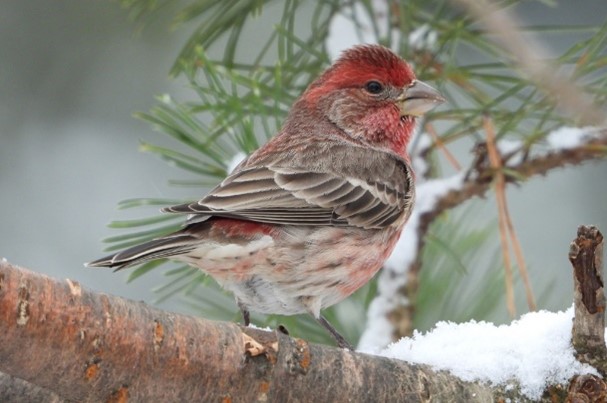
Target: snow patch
534, 351
507, 146
565, 138
378, 332
265, 329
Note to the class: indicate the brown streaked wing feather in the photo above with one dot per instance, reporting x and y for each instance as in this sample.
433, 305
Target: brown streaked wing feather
371, 191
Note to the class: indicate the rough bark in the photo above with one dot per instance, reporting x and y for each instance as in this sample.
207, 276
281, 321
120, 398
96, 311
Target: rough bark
588, 332
77, 345
17, 390
60, 342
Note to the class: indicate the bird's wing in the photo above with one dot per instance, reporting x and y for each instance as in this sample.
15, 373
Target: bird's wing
296, 191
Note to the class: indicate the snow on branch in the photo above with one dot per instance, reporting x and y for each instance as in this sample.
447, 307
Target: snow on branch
107, 348
534, 352
393, 277
531, 353
389, 313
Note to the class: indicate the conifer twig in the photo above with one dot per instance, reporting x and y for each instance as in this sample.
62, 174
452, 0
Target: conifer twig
530, 58
441, 146
520, 259
504, 215
500, 196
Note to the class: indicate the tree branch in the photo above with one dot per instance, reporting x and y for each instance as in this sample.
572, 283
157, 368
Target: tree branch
586, 257
75, 345
540, 165
84, 346
17, 390
588, 333
476, 184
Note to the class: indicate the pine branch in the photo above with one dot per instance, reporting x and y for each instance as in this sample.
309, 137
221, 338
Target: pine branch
477, 184
530, 58
481, 175
246, 99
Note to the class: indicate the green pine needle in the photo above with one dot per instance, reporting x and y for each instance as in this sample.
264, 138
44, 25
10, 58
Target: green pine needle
239, 102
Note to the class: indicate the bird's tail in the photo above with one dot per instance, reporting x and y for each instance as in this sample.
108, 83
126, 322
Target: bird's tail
172, 245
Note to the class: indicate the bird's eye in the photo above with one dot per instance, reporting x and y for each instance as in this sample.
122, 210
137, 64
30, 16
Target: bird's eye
374, 87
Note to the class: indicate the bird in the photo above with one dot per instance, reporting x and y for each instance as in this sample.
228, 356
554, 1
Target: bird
312, 215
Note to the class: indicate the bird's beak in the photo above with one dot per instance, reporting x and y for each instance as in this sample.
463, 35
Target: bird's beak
419, 98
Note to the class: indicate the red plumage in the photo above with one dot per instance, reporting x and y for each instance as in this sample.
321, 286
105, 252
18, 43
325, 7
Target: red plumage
312, 215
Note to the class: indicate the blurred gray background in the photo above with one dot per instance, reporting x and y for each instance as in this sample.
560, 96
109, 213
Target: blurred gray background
71, 75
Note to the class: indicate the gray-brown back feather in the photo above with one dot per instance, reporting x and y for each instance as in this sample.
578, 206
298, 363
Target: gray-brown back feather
331, 183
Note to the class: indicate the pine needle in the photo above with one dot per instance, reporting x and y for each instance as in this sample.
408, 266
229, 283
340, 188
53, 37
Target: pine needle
500, 185
441, 146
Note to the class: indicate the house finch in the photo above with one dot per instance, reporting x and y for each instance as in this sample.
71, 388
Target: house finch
311, 216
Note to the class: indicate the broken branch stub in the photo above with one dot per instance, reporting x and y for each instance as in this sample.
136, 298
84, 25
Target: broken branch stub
588, 334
